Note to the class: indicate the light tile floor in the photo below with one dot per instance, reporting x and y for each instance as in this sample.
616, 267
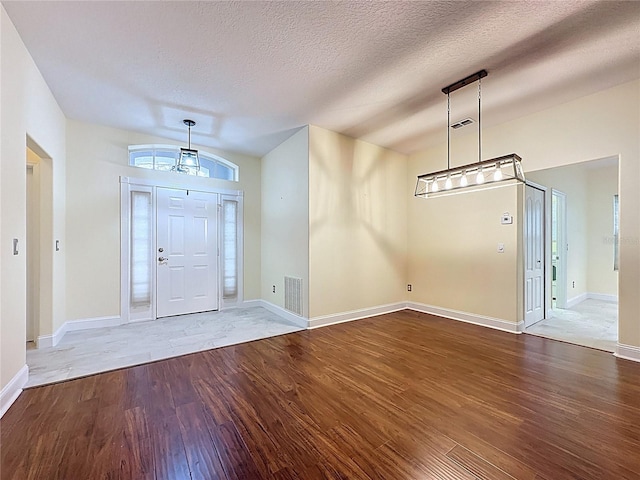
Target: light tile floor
591, 323
87, 352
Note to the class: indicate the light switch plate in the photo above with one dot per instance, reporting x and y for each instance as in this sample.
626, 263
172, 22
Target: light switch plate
501, 248
506, 219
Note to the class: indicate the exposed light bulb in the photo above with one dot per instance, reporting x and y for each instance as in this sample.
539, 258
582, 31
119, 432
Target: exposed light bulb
434, 187
497, 176
463, 179
448, 184
480, 177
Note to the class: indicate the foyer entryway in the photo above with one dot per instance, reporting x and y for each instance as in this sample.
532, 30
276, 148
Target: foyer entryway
86, 352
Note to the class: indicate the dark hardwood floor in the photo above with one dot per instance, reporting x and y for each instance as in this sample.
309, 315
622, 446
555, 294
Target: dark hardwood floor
399, 396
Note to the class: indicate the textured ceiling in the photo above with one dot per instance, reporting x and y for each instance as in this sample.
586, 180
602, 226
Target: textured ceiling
251, 72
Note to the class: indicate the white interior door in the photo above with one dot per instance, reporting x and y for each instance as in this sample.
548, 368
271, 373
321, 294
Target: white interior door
534, 256
187, 252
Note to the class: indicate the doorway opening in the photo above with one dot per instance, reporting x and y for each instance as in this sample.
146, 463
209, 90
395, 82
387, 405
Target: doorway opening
39, 258
33, 247
582, 303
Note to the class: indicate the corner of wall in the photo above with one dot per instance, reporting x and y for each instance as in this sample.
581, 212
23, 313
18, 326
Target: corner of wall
12, 390
285, 218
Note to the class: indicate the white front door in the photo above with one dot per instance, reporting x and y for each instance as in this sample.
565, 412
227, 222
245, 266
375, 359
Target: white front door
534, 256
186, 252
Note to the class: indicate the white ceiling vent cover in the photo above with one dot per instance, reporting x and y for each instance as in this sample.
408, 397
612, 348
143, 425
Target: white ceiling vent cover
462, 123
293, 295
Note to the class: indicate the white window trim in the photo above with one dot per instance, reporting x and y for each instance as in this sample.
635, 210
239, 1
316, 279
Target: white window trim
129, 184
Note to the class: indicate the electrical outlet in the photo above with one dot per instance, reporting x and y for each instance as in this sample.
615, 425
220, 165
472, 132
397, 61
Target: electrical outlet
574, 284
274, 289
408, 287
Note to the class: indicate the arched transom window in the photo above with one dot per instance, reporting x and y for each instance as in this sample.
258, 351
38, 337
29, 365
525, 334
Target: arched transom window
164, 157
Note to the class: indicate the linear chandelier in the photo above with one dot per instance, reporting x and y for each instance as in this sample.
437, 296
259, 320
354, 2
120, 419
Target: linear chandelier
483, 174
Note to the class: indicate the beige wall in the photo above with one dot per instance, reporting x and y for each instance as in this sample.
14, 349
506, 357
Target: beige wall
28, 109
357, 224
97, 157
285, 218
602, 185
454, 261
602, 125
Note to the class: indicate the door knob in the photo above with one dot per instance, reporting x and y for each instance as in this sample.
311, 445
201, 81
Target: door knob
162, 259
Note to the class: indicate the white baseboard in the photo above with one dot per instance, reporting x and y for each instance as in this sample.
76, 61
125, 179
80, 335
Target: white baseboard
481, 320
572, 302
603, 297
628, 352
324, 320
45, 341
13, 389
250, 303
95, 322
297, 320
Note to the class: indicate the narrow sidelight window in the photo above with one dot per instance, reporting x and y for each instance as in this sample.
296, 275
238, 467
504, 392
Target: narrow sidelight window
141, 249
229, 249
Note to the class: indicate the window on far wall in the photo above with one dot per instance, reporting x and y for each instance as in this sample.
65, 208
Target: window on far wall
616, 233
163, 157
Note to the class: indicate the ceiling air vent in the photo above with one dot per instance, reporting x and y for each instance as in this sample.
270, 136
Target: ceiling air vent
462, 123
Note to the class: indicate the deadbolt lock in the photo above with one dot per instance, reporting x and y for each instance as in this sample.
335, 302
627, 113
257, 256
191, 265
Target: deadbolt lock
161, 249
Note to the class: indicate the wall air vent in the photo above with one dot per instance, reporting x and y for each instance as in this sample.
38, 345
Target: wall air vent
293, 295
462, 123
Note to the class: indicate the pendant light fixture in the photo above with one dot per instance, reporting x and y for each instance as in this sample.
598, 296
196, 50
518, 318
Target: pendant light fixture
188, 161
482, 174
